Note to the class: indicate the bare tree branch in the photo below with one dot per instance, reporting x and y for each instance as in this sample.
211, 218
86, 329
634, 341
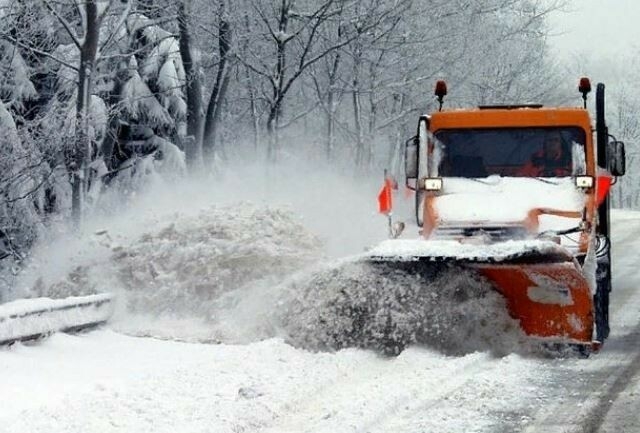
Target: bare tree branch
37, 51
67, 26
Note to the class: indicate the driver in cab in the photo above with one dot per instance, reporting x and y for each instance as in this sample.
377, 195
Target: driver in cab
553, 160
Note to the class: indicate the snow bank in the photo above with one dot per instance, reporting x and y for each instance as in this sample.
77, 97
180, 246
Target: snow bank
341, 213
179, 277
185, 265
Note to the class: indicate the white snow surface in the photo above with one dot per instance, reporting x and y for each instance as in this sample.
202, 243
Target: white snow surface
231, 318
105, 381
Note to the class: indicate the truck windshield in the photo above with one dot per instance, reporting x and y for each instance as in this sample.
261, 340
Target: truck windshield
515, 152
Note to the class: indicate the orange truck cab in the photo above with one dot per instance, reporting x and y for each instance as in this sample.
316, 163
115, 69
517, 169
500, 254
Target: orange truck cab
495, 174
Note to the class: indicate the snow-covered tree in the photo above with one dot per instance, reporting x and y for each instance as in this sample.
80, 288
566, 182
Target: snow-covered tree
117, 91
21, 175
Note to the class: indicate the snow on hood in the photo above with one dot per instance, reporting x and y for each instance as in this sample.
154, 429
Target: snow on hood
497, 199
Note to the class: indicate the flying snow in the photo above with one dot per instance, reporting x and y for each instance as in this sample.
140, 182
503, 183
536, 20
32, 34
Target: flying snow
388, 306
225, 275
231, 268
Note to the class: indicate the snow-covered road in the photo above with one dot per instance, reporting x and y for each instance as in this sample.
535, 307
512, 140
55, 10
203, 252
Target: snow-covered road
104, 381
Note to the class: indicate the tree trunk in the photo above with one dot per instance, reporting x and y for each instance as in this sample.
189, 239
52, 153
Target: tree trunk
110, 143
332, 106
396, 150
195, 119
255, 118
79, 159
357, 116
357, 111
220, 87
330, 126
275, 110
272, 132
371, 135
251, 89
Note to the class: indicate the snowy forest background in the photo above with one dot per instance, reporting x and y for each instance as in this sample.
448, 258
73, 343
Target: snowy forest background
98, 96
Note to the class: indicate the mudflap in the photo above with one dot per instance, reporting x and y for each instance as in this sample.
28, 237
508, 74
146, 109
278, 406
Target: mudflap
551, 300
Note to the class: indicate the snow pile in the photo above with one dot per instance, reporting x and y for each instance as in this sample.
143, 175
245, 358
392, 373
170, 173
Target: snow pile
184, 266
386, 306
183, 274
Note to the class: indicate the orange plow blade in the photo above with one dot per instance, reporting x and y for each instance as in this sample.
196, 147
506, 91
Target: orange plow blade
551, 300
544, 287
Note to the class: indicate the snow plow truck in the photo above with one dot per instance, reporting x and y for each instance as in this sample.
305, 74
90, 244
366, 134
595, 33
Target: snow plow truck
520, 194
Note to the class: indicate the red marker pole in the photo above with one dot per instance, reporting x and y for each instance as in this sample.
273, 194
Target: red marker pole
385, 201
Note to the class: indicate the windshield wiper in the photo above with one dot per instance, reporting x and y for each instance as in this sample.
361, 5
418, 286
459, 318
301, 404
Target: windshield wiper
475, 179
542, 179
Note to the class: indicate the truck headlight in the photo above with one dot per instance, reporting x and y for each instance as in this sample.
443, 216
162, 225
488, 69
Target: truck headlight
433, 183
584, 182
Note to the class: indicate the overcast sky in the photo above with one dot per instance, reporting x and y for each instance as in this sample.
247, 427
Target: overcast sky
605, 28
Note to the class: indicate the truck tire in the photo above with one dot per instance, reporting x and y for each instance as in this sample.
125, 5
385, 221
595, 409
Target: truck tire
601, 298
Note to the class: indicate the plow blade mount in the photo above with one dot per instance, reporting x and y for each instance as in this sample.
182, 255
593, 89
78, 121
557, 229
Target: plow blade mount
544, 287
30, 319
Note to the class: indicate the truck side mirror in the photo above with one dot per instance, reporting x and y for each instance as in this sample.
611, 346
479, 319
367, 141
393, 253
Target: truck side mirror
617, 158
411, 160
